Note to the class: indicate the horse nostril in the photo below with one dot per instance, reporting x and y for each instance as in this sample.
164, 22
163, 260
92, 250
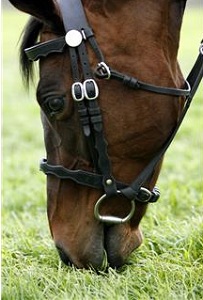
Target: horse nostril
64, 257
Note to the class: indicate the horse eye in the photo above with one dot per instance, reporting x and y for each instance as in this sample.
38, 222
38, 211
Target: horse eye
54, 105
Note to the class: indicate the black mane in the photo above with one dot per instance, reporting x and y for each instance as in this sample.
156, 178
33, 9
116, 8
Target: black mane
29, 38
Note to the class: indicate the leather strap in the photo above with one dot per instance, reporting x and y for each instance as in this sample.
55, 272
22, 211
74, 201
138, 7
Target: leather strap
73, 15
89, 111
41, 50
136, 84
93, 180
79, 176
196, 74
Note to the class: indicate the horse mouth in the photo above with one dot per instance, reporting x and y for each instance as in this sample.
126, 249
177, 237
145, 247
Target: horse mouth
67, 261
111, 252
64, 256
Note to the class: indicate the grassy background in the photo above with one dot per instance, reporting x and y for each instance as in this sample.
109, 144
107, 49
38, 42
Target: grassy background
169, 264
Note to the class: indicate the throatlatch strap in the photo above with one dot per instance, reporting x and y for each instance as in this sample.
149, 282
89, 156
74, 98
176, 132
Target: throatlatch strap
194, 79
196, 73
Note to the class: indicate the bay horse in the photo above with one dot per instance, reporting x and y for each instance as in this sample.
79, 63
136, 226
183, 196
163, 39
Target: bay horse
101, 134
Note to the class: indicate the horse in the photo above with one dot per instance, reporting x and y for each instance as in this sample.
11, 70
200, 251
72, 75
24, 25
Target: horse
101, 134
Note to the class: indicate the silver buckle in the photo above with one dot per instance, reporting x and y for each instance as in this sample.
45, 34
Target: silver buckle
112, 219
104, 69
78, 95
146, 193
93, 91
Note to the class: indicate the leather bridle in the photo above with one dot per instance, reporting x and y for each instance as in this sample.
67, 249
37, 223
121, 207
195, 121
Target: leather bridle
85, 94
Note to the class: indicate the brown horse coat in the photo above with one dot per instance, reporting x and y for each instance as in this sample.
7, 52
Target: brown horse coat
141, 39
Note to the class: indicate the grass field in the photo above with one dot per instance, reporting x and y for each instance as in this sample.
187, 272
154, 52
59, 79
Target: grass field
169, 264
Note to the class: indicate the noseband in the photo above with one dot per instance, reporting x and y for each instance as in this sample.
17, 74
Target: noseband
85, 94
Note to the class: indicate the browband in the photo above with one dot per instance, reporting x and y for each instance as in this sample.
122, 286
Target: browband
42, 50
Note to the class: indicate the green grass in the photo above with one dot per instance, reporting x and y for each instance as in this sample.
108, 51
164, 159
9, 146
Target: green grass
169, 264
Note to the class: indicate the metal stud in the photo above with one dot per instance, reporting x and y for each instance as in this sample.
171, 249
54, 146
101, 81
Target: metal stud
73, 38
108, 181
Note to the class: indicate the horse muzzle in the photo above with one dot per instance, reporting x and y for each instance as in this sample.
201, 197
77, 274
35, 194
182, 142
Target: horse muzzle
109, 248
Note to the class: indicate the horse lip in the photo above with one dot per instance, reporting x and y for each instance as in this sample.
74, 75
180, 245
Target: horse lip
63, 256
97, 256
96, 266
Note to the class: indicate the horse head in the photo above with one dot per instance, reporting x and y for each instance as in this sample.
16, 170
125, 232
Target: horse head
138, 38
